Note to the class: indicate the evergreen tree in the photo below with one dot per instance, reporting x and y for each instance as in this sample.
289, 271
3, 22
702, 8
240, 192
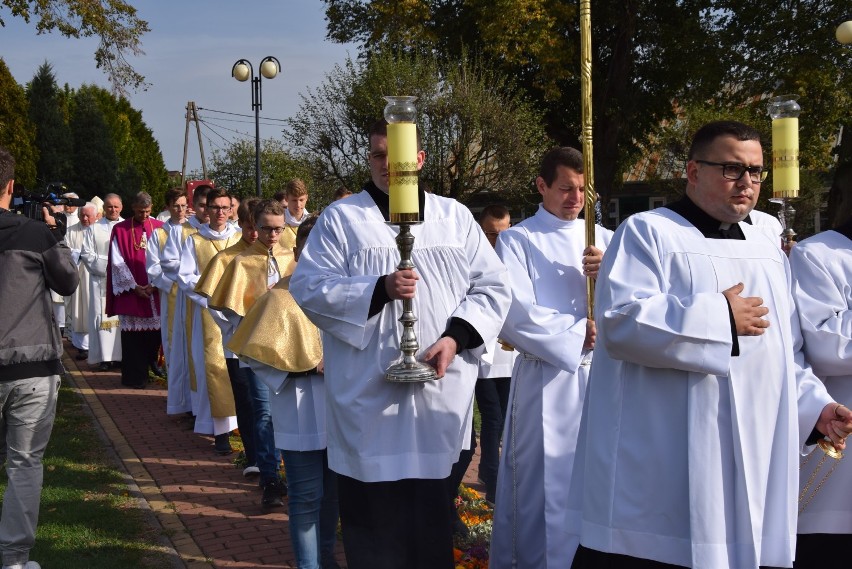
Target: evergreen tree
52, 134
16, 131
95, 160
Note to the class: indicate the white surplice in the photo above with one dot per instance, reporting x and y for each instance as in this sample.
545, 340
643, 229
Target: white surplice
104, 331
380, 431
77, 305
686, 454
178, 397
547, 325
188, 275
822, 266
769, 224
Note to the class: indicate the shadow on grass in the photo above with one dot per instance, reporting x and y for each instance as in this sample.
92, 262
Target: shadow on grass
88, 519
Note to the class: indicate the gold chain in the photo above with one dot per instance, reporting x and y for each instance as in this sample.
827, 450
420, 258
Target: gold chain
813, 476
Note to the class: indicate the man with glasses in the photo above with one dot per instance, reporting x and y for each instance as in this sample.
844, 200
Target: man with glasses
699, 401
232, 289
212, 397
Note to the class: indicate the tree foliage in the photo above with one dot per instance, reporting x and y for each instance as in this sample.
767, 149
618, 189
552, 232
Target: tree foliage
478, 134
648, 55
234, 167
53, 137
94, 157
17, 133
114, 21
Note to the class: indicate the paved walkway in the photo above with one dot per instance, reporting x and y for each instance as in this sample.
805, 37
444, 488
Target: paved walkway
211, 514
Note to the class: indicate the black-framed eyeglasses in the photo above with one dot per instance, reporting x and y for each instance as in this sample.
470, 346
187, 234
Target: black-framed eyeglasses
218, 208
269, 230
733, 171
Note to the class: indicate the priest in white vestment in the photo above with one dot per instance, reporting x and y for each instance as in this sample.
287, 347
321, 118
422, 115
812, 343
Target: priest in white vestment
162, 276
178, 397
821, 267
548, 263
699, 401
104, 331
398, 440
212, 397
77, 305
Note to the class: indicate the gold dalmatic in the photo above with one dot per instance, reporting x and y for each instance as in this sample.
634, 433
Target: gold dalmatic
246, 278
218, 383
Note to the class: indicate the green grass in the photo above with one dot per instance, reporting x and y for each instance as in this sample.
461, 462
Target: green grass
88, 517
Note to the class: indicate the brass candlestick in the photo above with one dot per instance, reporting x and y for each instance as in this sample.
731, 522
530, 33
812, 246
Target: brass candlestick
785, 111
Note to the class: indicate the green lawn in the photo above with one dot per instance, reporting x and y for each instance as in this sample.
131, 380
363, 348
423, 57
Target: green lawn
88, 518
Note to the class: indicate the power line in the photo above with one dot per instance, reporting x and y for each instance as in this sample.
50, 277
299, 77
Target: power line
241, 115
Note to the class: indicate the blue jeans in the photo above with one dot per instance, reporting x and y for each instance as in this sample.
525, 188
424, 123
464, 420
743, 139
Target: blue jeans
266, 455
27, 411
312, 506
240, 385
492, 398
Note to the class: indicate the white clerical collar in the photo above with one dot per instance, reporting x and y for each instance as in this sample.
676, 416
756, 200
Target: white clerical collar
292, 221
209, 233
106, 221
555, 222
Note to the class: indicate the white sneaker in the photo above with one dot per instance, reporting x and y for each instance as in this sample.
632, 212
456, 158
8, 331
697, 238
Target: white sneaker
27, 565
251, 471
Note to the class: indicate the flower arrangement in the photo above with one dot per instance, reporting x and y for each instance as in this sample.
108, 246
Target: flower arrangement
471, 550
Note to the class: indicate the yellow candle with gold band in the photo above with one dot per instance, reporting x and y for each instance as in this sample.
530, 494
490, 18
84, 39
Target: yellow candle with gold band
402, 168
785, 157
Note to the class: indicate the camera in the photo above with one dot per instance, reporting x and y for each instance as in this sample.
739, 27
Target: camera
30, 204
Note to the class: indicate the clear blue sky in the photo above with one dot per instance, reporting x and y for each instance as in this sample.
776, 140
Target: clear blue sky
188, 57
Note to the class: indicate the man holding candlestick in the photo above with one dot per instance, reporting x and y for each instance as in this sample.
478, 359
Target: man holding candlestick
394, 444
699, 401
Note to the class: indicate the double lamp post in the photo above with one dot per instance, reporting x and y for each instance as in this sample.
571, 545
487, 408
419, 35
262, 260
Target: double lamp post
242, 71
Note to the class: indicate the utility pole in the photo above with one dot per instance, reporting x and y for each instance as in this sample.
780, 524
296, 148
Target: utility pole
192, 116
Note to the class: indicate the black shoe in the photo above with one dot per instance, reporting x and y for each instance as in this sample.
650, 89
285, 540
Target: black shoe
82, 355
329, 562
273, 494
103, 366
222, 444
158, 371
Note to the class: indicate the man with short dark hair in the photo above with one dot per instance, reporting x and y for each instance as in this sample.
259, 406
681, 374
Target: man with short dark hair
699, 401
34, 261
393, 444
548, 264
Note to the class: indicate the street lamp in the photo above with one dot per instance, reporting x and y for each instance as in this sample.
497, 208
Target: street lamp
843, 33
242, 71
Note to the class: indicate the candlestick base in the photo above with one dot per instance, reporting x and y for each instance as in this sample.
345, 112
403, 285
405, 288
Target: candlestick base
410, 372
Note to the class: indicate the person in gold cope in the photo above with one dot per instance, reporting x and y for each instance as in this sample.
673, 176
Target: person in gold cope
248, 277
284, 349
211, 394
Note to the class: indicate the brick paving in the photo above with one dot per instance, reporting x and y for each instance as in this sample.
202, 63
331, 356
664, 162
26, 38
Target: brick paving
210, 513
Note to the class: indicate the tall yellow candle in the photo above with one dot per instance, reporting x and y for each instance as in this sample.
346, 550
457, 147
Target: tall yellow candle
402, 170
785, 157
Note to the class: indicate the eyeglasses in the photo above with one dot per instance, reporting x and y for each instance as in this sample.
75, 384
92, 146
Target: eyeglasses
757, 174
268, 230
218, 208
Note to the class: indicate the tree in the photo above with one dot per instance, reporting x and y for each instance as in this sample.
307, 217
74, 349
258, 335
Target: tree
52, 134
647, 54
115, 22
140, 162
17, 132
233, 167
95, 160
479, 135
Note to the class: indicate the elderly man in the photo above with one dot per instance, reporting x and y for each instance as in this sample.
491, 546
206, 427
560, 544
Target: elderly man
131, 296
77, 305
104, 344
699, 401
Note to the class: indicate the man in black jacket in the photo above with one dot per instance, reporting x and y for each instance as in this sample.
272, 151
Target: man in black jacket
33, 262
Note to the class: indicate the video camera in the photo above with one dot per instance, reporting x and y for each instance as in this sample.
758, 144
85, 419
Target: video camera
30, 205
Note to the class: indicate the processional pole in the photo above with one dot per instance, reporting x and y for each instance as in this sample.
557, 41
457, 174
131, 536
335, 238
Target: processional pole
586, 124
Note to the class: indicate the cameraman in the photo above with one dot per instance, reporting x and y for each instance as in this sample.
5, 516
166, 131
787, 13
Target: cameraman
34, 262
